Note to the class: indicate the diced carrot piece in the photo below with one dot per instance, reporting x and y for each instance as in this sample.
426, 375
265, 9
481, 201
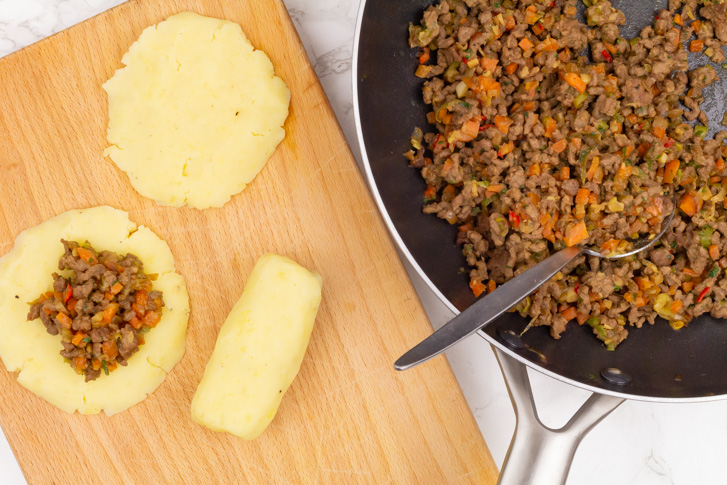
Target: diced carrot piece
575, 233
116, 288
714, 252
110, 349
489, 64
643, 283
560, 145
135, 322
569, 313
85, 254
80, 362
465, 227
688, 204
503, 123
610, 245
656, 207
511, 68
719, 164
643, 148
78, 338
696, 25
110, 312
533, 170
152, 318
96, 364
425, 56
690, 272
687, 286
470, 129
64, 320
582, 196
506, 148
509, 22
678, 19
696, 46
525, 44
659, 132
670, 171
548, 45
477, 287
430, 193
624, 171
529, 106
534, 198
592, 169
564, 173
448, 194
491, 286
495, 188
582, 317
549, 125
574, 80
640, 300
676, 306
576, 143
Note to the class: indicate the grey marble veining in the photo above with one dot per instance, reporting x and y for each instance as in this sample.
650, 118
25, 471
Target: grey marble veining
640, 443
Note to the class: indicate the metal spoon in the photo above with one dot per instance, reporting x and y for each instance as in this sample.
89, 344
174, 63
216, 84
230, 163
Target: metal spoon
510, 294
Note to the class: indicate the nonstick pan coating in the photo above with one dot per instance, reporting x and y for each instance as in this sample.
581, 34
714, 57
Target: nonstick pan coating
663, 364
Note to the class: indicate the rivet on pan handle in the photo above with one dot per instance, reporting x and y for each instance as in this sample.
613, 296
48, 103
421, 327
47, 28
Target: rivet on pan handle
539, 455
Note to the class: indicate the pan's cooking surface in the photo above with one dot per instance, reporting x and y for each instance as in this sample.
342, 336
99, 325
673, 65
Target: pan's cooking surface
662, 363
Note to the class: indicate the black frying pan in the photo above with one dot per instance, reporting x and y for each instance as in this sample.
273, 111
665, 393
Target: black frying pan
663, 364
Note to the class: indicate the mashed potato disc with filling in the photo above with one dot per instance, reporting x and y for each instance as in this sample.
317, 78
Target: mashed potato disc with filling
196, 112
25, 273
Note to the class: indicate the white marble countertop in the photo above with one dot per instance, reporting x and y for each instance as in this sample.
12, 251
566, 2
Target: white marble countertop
642, 443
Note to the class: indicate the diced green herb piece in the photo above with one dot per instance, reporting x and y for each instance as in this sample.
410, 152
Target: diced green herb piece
452, 71
105, 366
705, 236
86, 340
579, 100
713, 272
700, 130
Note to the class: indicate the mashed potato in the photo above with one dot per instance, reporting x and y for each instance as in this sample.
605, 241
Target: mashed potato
196, 112
25, 272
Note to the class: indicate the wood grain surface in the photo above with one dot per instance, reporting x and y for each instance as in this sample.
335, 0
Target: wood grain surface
349, 417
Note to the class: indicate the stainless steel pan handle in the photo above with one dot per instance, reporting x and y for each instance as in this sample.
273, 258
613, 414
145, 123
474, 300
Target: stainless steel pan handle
539, 455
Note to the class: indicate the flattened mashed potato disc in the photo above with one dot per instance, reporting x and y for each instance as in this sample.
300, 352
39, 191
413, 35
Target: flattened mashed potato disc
196, 112
25, 273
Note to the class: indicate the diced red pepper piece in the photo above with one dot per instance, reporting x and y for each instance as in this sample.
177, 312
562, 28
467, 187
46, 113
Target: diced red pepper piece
68, 294
668, 143
514, 218
607, 55
703, 294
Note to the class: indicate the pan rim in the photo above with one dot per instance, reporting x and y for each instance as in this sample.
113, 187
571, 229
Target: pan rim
393, 232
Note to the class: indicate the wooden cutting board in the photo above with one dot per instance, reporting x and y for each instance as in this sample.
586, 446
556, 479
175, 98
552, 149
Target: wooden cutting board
349, 417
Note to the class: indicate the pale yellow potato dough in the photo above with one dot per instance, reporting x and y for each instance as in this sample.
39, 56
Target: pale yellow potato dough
25, 273
259, 348
196, 112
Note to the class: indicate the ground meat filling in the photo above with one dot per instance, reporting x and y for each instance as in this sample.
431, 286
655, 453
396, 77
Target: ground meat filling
101, 306
534, 146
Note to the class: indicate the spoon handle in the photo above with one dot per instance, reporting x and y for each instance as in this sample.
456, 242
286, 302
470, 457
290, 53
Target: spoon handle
487, 309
